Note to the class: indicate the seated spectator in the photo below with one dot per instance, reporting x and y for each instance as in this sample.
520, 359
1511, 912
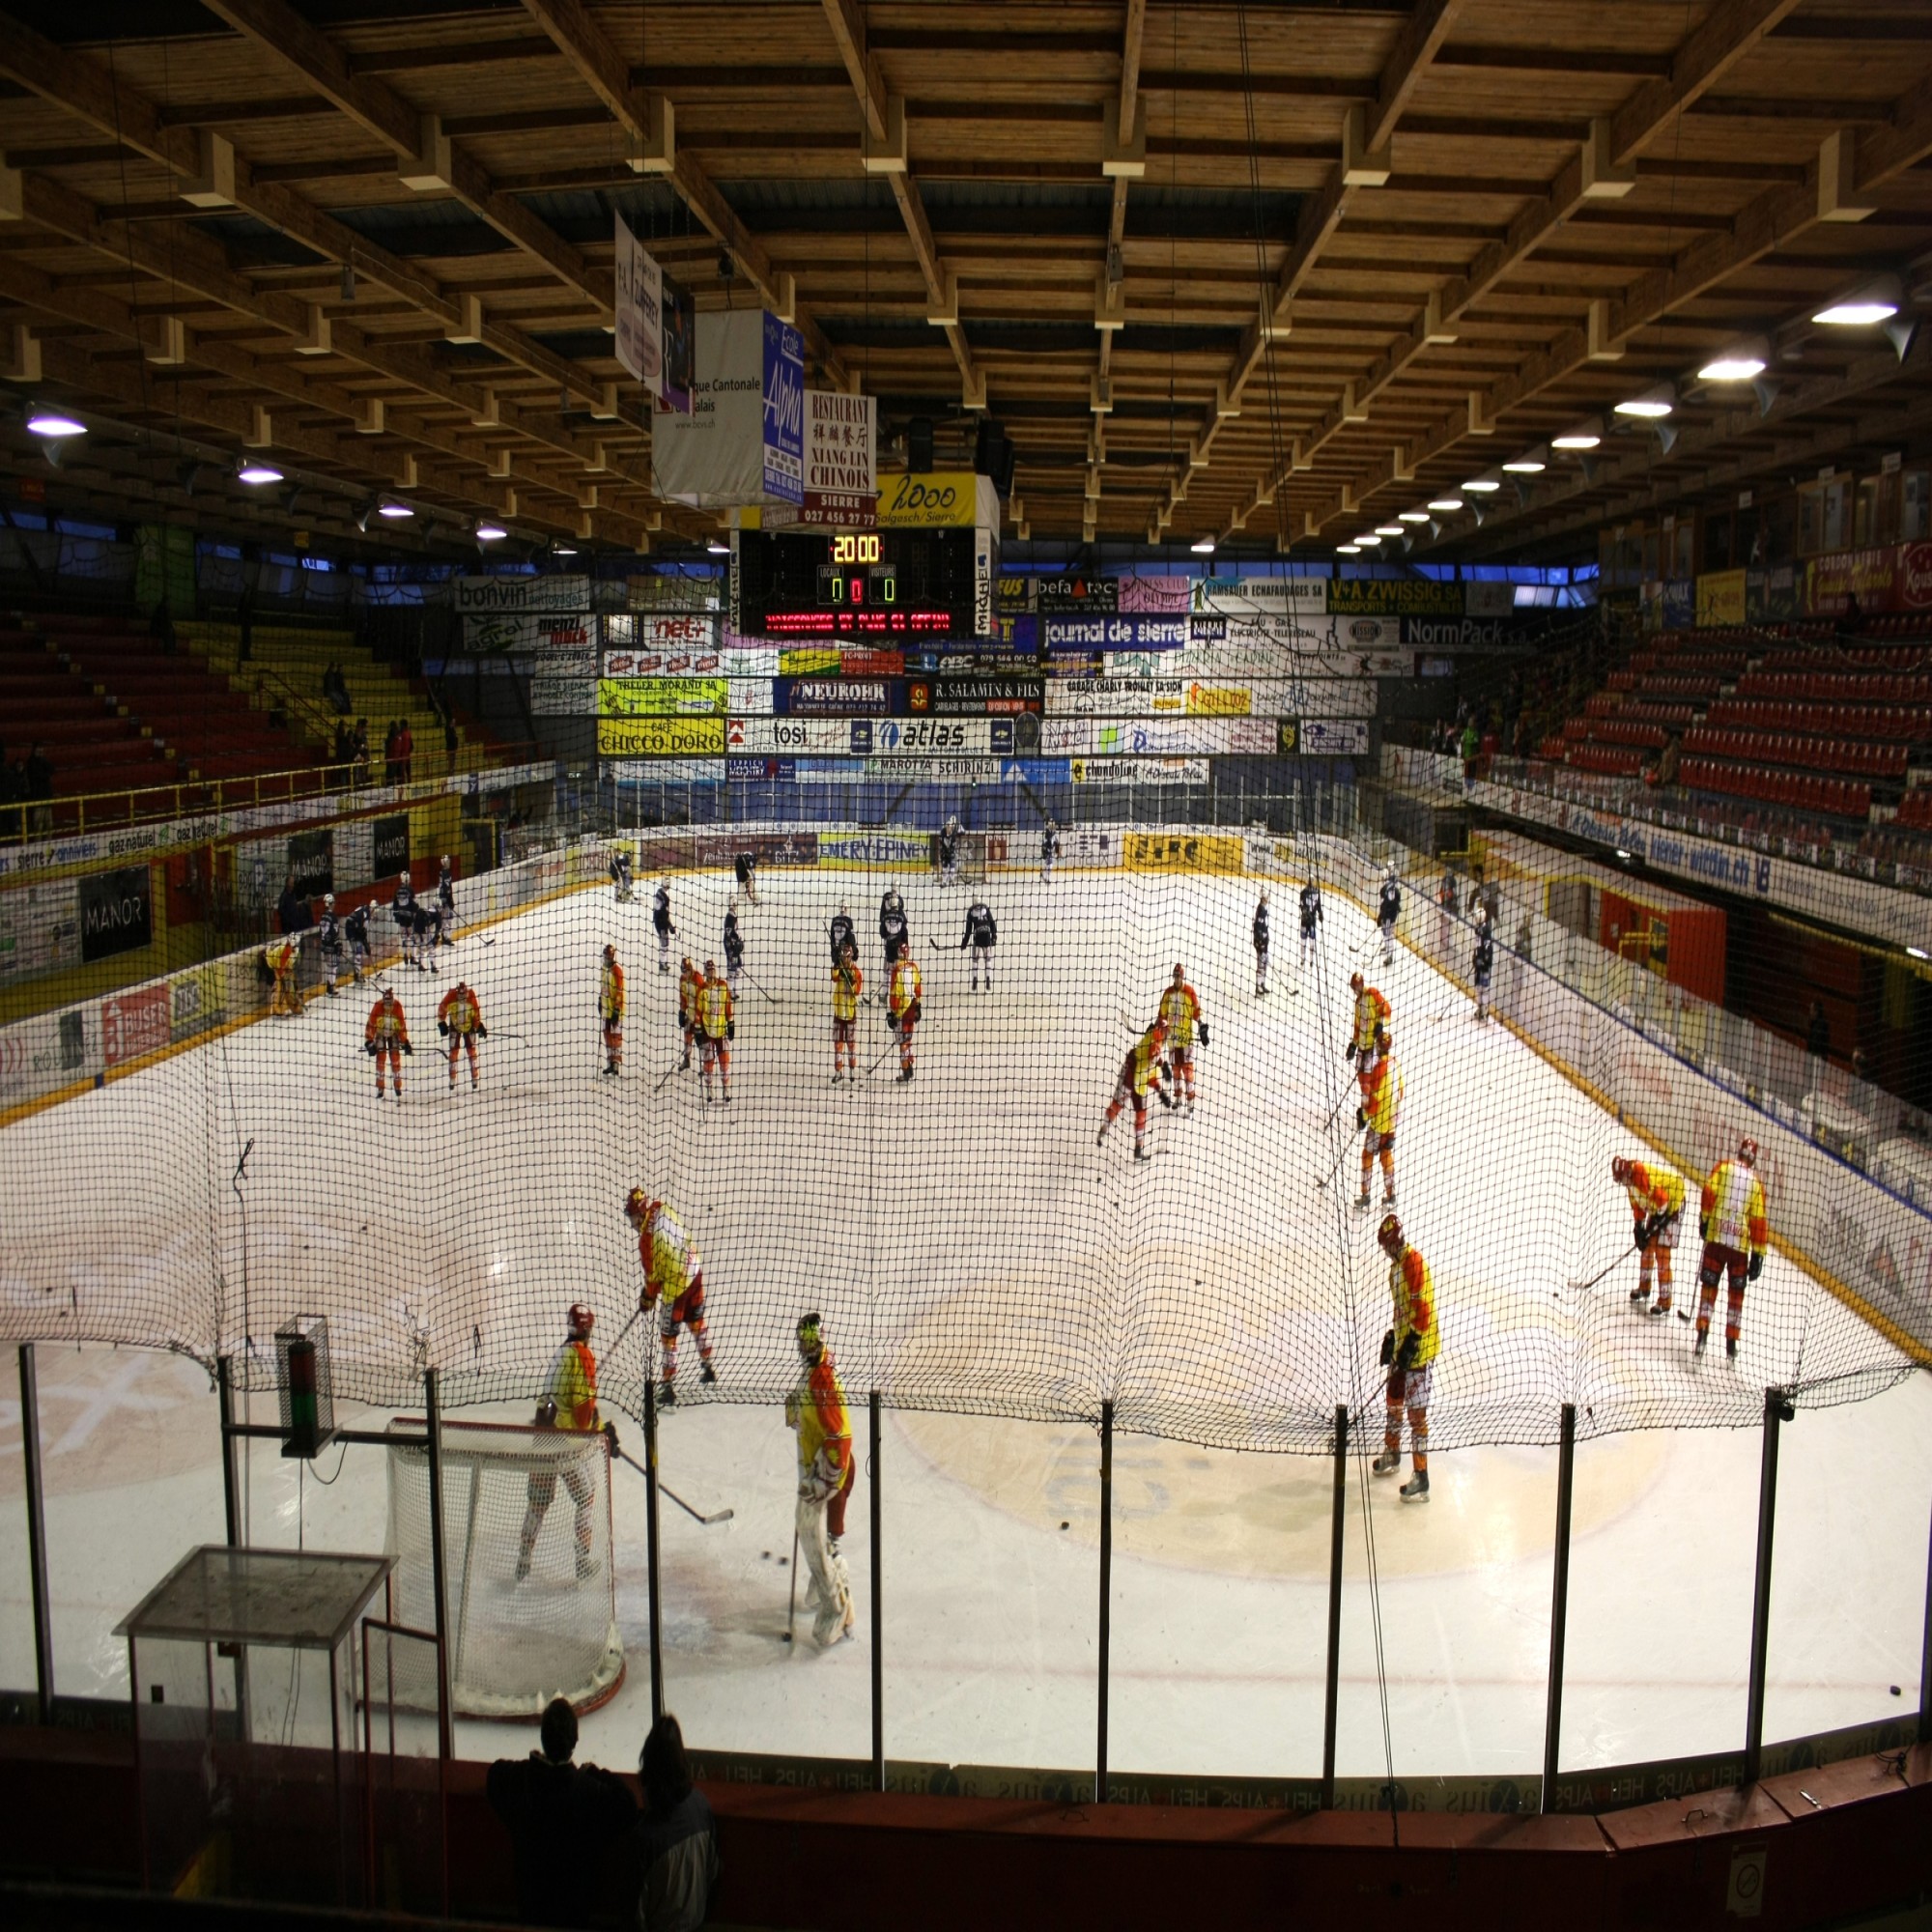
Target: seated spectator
561, 1818
674, 1847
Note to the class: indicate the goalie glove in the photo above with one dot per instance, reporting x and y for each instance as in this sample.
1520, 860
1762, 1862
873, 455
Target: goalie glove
1755, 1268
369, 1047
1204, 1032
1388, 1347
408, 1049
1350, 1053
731, 1029
482, 1032
610, 1436
1411, 1346
442, 1026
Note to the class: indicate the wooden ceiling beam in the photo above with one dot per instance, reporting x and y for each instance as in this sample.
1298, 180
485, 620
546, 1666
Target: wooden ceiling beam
1726, 34
376, 107
86, 90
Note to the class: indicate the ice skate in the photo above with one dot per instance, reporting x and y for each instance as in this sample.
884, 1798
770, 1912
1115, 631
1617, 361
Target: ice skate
905, 1074
1362, 1199
707, 1375
1656, 1308
1703, 1336
1416, 1489
837, 1077
1140, 1152
1731, 1346
1387, 1464
667, 1395
1639, 1296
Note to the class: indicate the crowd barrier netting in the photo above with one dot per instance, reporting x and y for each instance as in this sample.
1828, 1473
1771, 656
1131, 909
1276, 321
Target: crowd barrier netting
970, 1247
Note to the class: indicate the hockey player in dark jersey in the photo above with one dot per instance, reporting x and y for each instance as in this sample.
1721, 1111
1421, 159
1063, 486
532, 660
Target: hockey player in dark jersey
403, 907
842, 934
1260, 937
622, 888
746, 868
1311, 918
982, 935
949, 852
734, 944
446, 905
1049, 851
427, 923
1484, 963
894, 935
1388, 912
328, 943
661, 920
355, 935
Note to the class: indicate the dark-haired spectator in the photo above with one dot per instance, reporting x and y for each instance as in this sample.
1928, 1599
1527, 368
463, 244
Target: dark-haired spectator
675, 1843
562, 1818
406, 750
39, 786
358, 751
291, 910
390, 754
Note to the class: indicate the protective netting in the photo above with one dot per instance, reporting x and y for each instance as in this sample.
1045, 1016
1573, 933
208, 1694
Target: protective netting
969, 1245
532, 1602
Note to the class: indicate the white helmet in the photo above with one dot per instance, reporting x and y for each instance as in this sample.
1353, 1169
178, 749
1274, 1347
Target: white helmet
732, 904
403, 877
328, 900
445, 858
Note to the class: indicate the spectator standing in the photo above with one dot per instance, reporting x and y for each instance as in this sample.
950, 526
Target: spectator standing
450, 741
292, 913
359, 752
1818, 1033
40, 787
1471, 746
675, 1843
389, 753
561, 1818
406, 749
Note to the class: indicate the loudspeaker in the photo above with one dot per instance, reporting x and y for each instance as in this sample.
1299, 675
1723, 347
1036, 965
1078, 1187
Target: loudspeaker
919, 444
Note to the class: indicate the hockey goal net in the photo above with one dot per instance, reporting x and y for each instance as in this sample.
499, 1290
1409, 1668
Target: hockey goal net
526, 1534
969, 858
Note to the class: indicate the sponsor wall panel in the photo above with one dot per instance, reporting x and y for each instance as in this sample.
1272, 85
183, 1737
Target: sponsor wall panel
1720, 597
136, 1022
1138, 770
497, 632
666, 771
563, 697
658, 737
660, 697
40, 929
1394, 597
116, 912
566, 591
1335, 737
1071, 630
1182, 852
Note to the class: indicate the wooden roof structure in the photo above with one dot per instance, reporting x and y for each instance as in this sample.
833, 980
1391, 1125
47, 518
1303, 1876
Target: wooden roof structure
1268, 274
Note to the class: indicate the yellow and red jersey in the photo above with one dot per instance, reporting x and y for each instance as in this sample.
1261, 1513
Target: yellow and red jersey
823, 1420
1138, 1069
282, 956
847, 983
386, 1025
1654, 1190
573, 1386
1381, 1093
1413, 1293
610, 998
715, 1009
907, 983
1733, 1208
1371, 1011
689, 983
459, 1011
667, 1255
1181, 1013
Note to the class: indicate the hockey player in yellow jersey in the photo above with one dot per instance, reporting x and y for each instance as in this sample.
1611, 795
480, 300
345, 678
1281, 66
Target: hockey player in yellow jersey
903, 1007
1371, 1010
717, 1028
610, 1011
689, 985
1381, 1087
1656, 1196
1409, 1352
1736, 1232
1139, 1071
284, 957
816, 1409
849, 986
1180, 1014
569, 1401
673, 1281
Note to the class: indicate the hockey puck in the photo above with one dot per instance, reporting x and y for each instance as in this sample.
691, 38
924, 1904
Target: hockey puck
1065, 1525
1895, 1691
787, 1636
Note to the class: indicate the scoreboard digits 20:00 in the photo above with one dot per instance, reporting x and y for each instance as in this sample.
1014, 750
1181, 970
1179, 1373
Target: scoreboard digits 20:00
855, 583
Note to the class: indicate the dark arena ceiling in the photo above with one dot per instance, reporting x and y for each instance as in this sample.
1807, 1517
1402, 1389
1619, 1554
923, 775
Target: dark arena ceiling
1272, 273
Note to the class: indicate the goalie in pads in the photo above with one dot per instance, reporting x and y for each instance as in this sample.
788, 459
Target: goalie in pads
570, 1402
816, 1409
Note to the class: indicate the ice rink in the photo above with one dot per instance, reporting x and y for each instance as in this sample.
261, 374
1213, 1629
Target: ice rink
974, 1251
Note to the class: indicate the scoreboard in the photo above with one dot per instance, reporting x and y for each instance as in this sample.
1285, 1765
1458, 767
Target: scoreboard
874, 585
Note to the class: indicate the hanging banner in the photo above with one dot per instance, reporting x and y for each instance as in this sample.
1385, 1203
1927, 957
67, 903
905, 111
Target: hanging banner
658, 737
498, 634
1068, 632
654, 696
742, 441
638, 294
677, 380
1165, 594
937, 500
840, 473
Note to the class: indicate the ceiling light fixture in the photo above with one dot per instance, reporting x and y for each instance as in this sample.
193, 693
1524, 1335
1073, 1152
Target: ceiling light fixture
1347, 550
1390, 530
1653, 402
1876, 301
258, 472
488, 532
718, 548
1585, 436
42, 419
1411, 516
1203, 546
1445, 506
395, 510
1481, 486
563, 550
1737, 363
1529, 464
1369, 539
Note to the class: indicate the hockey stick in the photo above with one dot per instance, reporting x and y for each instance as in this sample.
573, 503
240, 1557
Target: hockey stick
1339, 1158
722, 1516
773, 997
666, 1075
1584, 1287
1336, 1109
791, 1614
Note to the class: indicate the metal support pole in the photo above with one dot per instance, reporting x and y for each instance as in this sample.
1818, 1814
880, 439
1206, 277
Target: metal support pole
1332, 1696
653, 1574
1560, 1600
1925, 1663
1778, 1409
438, 1566
878, 1613
37, 1532
1106, 1590
231, 1475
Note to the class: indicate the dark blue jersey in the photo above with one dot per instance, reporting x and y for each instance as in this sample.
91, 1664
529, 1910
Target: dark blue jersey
980, 930
1311, 907
660, 909
1261, 929
1391, 905
734, 942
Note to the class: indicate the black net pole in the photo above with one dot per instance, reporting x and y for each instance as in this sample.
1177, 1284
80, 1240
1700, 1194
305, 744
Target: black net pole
1778, 1409
37, 1532
231, 1484
653, 1572
1560, 1600
1925, 1661
439, 1564
1106, 1591
878, 1613
1332, 1692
